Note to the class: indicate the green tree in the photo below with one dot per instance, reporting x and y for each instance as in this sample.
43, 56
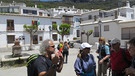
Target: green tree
64, 29
31, 29
88, 33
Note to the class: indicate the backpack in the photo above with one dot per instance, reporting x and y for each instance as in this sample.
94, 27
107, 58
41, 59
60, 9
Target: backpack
65, 48
125, 57
103, 53
31, 59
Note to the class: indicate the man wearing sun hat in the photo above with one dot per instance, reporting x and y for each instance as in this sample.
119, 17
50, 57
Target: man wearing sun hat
117, 60
85, 64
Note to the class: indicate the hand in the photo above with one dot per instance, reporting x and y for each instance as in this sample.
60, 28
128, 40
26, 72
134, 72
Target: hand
101, 61
130, 71
60, 56
55, 58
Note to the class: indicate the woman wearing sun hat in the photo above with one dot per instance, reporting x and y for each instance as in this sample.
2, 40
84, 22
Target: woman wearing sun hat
85, 64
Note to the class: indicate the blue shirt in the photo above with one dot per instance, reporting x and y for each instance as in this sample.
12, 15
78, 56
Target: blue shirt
86, 65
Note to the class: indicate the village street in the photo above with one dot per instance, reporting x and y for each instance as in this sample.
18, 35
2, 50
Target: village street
68, 69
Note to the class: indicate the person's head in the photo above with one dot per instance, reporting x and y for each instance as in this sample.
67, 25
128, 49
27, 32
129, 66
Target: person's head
115, 44
85, 48
65, 42
47, 46
101, 40
132, 47
61, 42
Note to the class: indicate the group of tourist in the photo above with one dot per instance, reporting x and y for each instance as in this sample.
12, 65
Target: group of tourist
121, 61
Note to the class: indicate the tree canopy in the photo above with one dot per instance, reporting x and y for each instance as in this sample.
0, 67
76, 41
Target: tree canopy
80, 4
63, 29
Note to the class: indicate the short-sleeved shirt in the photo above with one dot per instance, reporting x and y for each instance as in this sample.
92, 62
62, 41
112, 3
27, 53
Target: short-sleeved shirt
84, 65
41, 64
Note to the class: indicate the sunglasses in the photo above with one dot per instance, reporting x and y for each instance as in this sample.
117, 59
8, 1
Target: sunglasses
53, 46
100, 40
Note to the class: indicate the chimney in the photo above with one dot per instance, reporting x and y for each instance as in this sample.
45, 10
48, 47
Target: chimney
128, 4
35, 6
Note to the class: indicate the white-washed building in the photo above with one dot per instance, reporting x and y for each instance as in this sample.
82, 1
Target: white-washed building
115, 23
13, 16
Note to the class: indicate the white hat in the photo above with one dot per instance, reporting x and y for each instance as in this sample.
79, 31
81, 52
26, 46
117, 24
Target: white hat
114, 41
85, 45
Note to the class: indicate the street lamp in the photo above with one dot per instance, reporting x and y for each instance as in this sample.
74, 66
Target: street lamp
100, 23
50, 29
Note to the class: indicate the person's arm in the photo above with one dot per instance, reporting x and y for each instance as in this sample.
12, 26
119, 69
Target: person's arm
60, 65
61, 61
107, 51
68, 46
78, 67
128, 56
50, 72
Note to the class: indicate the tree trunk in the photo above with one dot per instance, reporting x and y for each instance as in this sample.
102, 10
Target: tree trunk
62, 37
87, 38
31, 41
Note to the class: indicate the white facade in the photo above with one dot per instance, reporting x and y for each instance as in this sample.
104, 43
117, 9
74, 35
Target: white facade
116, 23
20, 15
19, 21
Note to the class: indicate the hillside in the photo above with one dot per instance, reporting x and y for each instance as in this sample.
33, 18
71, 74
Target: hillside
81, 5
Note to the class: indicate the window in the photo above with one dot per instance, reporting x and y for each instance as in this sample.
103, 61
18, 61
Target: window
96, 32
90, 17
132, 16
25, 11
40, 13
95, 18
10, 24
54, 22
71, 30
40, 38
128, 33
10, 38
78, 33
34, 22
106, 28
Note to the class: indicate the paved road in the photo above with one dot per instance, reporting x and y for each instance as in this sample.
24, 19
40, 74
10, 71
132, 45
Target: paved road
68, 69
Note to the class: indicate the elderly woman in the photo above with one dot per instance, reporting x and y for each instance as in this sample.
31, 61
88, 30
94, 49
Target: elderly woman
103, 56
85, 64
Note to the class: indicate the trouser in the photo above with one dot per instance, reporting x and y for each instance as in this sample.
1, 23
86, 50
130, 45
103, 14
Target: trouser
65, 54
102, 69
118, 73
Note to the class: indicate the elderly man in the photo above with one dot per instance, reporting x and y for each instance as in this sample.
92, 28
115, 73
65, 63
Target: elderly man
48, 62
119, 58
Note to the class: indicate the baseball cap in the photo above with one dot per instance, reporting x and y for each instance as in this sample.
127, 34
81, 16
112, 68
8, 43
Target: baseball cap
85, 45
114, 41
